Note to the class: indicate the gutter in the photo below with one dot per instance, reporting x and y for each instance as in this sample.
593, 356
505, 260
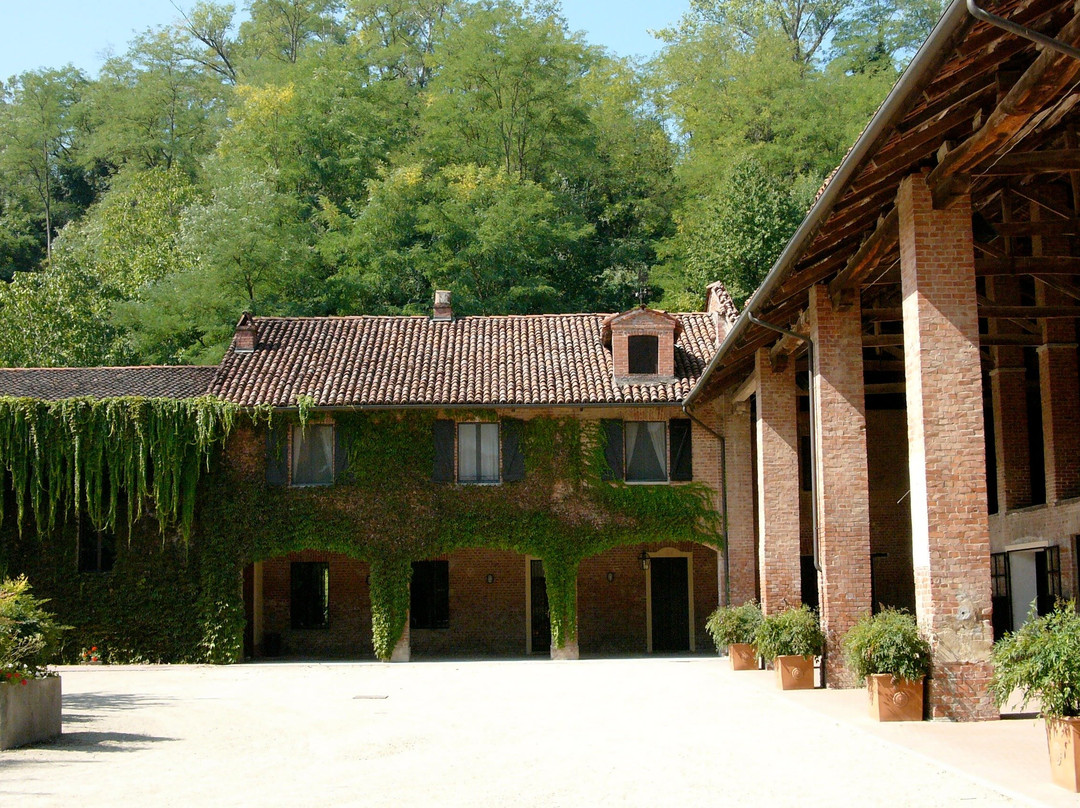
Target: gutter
954, 17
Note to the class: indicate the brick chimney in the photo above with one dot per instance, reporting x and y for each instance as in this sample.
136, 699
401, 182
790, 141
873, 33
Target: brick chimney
443, 311
246, 334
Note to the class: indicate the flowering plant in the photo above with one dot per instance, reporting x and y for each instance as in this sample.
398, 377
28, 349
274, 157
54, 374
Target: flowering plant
91, 654
28, 633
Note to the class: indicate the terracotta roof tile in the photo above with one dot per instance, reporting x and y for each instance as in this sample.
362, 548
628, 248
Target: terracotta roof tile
150, 381
537, 359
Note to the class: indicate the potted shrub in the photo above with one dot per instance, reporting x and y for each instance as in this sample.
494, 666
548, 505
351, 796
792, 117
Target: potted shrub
791, 639
887, 650
1042, 661
29, 694
733, 628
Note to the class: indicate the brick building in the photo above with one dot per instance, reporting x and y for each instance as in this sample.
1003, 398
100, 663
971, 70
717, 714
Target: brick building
901, 393
892, 419
472, 386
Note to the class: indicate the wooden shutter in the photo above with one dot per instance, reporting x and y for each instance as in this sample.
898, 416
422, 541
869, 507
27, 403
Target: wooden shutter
342, 441
277, 454
443, 471
613, 451
513, 461
680, 431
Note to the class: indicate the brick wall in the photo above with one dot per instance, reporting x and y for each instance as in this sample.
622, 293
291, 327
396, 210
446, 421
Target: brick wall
349, 631
485, 619
739, 478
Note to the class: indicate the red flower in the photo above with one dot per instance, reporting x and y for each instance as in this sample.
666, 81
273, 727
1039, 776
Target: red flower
93, 647
24, 681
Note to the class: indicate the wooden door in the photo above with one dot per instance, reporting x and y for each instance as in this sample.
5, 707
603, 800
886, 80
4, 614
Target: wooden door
670, 604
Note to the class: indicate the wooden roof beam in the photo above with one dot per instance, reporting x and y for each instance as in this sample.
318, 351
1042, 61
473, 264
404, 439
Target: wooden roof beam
986, 267
1052, 161
1050, 75
786, 345
880, 243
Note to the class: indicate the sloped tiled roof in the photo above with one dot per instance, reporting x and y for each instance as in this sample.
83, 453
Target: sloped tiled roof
150, 381
514, 360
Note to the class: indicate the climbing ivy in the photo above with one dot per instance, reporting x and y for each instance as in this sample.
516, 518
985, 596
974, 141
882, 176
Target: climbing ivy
384, 510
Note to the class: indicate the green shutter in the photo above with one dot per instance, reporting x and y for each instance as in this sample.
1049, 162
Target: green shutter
443, 472
513, 461
682, 459
613, 451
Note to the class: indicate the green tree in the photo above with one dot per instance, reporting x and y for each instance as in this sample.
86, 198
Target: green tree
280, 30
735, 234
500, 243
507, 91
153, 107
37, 142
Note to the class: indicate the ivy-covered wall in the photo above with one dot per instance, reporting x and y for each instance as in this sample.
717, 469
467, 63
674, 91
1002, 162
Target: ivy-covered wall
384, 510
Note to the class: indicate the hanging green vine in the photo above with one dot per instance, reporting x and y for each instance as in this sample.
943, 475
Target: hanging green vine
87, 455
384, 510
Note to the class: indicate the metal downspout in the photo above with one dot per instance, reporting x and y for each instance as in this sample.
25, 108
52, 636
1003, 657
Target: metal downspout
1022, 31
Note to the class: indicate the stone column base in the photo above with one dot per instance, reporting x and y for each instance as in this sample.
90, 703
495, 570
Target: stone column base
960, 691
401, 651
568, 651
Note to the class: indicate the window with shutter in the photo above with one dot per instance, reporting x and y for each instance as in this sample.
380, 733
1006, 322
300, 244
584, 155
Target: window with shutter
478, 453
443, 433
613, 449
513, 461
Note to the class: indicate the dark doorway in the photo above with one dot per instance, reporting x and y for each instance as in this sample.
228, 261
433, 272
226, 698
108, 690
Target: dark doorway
249, 611
1047, 579
670, 604
538, 609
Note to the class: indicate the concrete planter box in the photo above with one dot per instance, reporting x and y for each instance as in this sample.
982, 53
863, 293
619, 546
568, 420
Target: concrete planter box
794, 672
743, 657
29, 713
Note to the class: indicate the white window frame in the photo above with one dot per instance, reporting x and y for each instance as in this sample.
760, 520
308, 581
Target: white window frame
296, 435
479, 478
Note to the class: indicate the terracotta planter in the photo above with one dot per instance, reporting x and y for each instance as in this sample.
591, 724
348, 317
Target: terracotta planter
743, 656
894, 700
1063, 739
29, 713
794, 672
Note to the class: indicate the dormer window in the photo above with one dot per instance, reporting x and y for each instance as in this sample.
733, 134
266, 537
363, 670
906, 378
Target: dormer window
642, 351
642, 343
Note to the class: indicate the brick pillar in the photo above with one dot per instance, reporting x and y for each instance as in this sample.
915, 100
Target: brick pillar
842, 489
777, 485
739, 480
946, 455
1008, 389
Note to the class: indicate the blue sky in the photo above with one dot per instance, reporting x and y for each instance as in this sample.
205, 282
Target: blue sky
51, 33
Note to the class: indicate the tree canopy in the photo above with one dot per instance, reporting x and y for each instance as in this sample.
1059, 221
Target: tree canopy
316, 157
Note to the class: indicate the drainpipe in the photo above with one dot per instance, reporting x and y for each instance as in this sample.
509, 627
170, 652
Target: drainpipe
1022, 31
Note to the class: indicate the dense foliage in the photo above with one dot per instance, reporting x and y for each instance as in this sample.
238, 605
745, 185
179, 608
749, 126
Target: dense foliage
728, 625
792, 632
349, 156
29, 635
1042, 661
887, 642
171, 601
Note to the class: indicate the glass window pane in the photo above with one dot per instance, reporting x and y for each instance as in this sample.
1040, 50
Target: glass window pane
313, 455
489, 453
467, 457
646, 454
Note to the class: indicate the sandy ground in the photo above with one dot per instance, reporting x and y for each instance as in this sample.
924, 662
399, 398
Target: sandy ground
649, 732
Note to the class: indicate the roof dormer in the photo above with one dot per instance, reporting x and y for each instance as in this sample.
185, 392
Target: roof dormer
642, 343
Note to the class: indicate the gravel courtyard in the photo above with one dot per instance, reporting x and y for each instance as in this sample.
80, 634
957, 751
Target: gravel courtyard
649, 732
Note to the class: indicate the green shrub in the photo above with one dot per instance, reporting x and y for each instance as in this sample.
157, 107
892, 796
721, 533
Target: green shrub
1042, 660
733, 624
794, 632
28, 634
887, 642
